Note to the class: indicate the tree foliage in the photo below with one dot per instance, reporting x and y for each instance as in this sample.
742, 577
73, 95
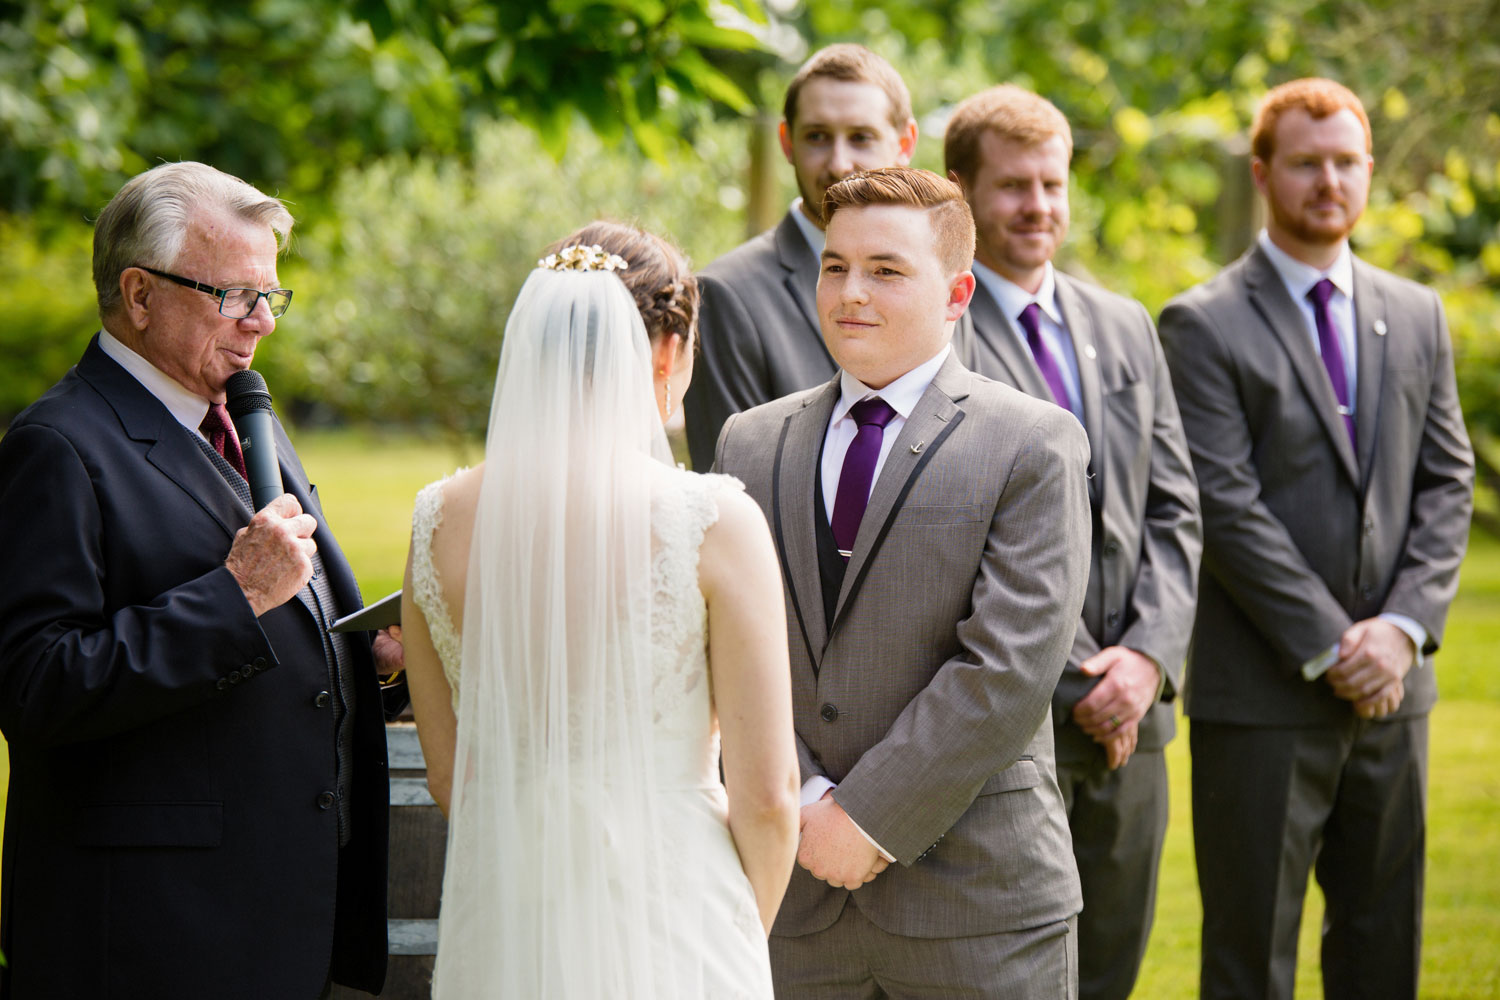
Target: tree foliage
286, 93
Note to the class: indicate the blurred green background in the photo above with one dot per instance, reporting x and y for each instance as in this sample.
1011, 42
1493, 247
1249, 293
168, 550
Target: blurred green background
431, 150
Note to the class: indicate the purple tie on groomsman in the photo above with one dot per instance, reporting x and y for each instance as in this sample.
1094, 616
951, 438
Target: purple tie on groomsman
858, 473
1031, 322
1333, 355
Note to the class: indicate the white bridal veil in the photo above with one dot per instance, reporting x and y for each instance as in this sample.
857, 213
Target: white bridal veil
555, 847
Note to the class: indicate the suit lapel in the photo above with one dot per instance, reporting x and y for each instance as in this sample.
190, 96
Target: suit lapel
169, 446
801, 279
1269, 296
934, 417
1079, 323
1370, 341
795, 476
996, 348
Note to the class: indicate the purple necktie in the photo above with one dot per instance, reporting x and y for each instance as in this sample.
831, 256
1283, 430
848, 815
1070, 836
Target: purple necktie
858, 473
1044, 359
219, 430
1333, 355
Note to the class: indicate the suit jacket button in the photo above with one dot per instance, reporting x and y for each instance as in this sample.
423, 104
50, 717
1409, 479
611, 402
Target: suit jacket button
1111, 549
260, 663
325, 801
321, 700
1112, 619
222, 683
1367, 592
234, 677
829, 713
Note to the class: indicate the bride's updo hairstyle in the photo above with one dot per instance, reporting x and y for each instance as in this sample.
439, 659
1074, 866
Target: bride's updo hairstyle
658, 277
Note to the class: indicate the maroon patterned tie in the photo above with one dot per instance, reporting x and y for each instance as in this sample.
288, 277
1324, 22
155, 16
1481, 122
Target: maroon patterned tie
1333, 355
858, 473
219, 430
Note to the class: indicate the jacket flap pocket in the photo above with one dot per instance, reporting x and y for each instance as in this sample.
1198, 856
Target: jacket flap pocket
151, 824
1022, 774
936, 514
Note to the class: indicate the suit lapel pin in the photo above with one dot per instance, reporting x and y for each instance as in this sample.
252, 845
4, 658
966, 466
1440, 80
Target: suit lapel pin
916, 449
1089, 352
1380, 328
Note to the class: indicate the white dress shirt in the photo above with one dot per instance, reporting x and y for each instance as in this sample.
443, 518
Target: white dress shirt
187, 408
1013, 300
901, 395
815, 237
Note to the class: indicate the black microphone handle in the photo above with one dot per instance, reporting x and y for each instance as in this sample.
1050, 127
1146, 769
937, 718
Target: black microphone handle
249, 405
257, 432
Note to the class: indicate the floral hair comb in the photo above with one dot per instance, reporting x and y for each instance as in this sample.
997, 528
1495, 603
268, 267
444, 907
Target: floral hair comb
581, 258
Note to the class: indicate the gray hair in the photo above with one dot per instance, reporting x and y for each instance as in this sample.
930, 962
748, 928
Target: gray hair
146, 221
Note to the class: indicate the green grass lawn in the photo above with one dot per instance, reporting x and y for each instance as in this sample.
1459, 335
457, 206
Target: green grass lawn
367, 482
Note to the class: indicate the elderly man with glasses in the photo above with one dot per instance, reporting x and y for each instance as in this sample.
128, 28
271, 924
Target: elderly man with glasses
198, 786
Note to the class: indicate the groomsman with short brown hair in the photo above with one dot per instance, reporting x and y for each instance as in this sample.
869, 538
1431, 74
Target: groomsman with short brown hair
1095, 354
1337, 482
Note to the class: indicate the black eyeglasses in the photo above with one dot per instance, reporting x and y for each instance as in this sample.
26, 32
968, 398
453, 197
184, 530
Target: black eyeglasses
236, 303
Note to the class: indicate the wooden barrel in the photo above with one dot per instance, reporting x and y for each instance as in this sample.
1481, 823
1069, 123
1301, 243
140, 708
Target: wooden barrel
418, 841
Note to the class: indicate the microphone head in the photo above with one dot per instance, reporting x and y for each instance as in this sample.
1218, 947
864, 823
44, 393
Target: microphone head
246, 391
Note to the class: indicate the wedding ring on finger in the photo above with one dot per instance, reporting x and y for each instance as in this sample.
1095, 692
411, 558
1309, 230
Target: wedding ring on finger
1114, 722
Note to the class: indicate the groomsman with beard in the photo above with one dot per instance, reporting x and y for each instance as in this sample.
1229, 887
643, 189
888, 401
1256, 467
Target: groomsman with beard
846, 110
1337, 482
933, 531
1096, 355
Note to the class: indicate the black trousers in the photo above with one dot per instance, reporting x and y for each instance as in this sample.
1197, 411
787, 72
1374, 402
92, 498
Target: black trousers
1347, 803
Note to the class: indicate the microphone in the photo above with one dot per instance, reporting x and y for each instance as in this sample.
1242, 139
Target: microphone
249, 406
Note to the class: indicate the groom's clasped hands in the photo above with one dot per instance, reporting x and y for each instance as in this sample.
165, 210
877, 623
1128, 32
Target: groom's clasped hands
833, 849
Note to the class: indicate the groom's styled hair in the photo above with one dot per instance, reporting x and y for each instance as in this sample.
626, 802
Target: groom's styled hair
952, 221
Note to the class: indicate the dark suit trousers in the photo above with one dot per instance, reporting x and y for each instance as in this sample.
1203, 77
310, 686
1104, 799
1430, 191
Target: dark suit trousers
1119, 823
855, 960
1348, 803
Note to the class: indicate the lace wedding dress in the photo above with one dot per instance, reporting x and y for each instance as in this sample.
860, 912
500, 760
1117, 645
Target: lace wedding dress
710, 943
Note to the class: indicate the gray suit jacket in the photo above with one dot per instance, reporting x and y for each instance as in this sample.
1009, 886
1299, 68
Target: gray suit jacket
1143, 569
758, 334
1301, 536
926, 698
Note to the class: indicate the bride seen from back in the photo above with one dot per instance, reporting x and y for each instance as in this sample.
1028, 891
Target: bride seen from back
585, 627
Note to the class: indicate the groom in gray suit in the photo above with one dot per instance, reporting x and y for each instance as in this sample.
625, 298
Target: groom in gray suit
846, 110
1095, 354
933, 532
1337, 482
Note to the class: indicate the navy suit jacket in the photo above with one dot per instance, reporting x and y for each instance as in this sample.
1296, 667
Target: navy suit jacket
164, 834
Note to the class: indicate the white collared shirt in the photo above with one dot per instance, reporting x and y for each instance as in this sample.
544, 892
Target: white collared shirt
1013, 300
1299, 279
187, 408
901, 395
815, 237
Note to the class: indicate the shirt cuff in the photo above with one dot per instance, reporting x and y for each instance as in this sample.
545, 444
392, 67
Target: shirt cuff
1414, 631
889, 857
816, 787
1318, 665
813, 789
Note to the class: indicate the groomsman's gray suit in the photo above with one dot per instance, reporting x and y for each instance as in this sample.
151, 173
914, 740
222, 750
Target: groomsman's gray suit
926, 697
1143, 578
1302, 537
758, 333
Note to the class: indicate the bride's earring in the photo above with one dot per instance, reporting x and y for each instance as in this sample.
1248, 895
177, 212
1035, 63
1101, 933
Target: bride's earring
667, 390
